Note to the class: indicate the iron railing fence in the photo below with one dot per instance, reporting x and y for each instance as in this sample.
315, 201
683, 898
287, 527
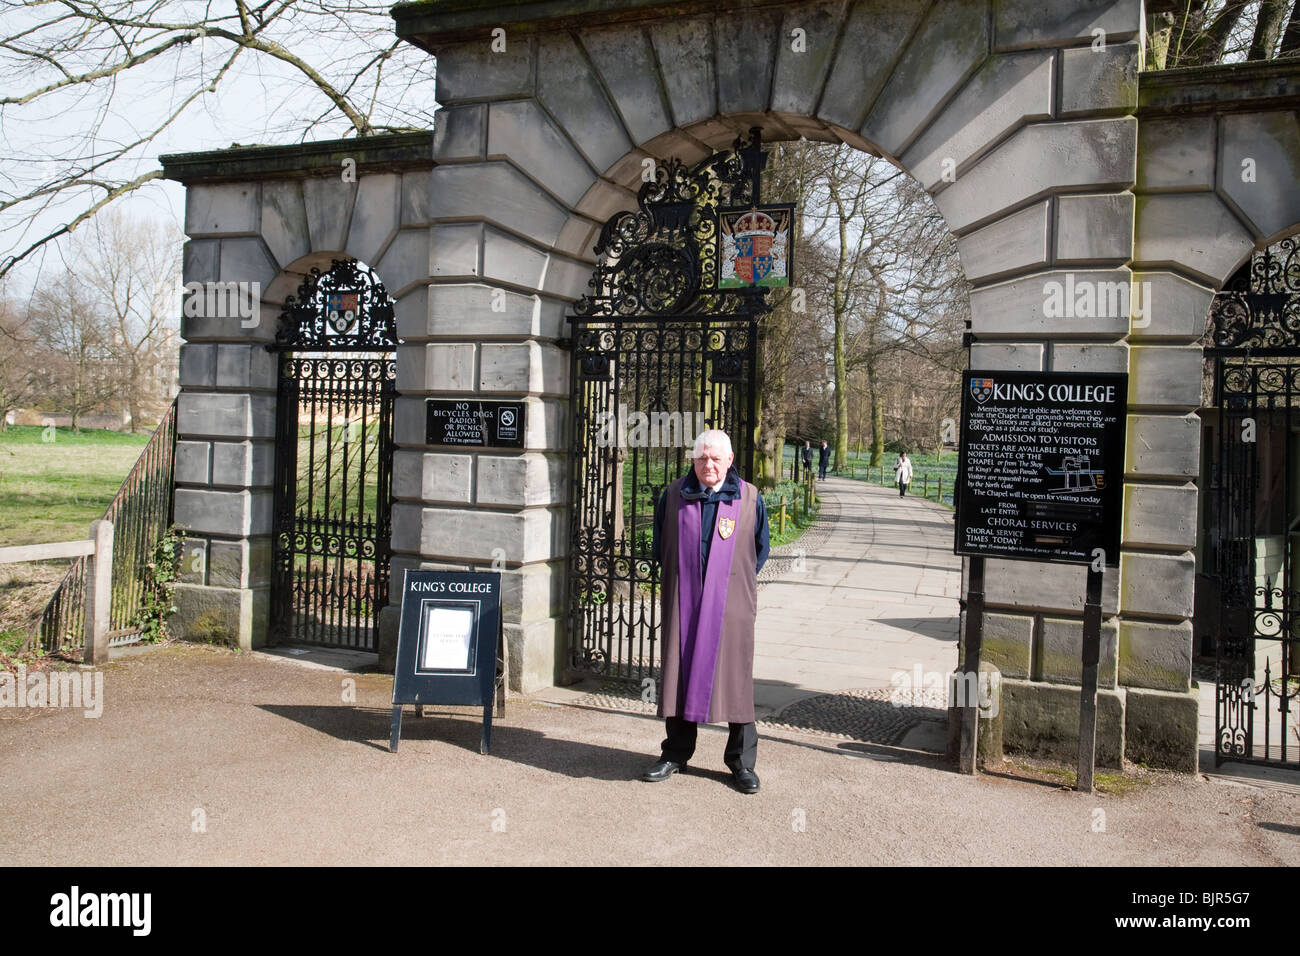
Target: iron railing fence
141, 513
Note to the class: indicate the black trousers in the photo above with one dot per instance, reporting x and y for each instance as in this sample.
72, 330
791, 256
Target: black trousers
741, 750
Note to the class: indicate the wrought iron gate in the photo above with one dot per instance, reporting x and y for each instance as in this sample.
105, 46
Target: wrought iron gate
334, 450
660, 352
1255, 518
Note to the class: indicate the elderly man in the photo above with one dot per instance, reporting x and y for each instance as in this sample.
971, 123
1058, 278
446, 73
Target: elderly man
710, 539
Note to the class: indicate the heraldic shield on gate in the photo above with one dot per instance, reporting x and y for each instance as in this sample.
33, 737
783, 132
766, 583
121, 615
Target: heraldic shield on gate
664, 346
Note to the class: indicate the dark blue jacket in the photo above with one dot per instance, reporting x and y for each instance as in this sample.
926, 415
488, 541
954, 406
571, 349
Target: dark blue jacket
730, 491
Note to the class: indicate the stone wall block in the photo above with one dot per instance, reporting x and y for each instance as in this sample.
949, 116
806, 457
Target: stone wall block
520, 131
1196, 233
949, 45
433, 477
1165, 376
243, 464
247, 260
1090, 358
480, 535
1027, 356
876, 30
498, 192
799, 75
1163, 446
1006, 92
201, 260
524, 367
536, 655
627, 66
1025, 585
414, 207
1054, 303
601, 200
684, 49
1014, 244
1099, 80
411, 313
1259, 167
1026, 23
532, 592
228, 513
460, 134
481, 311
1176, 153
521, 480
198, 365
746, 56
404, 266
245, 367
1040, 159
437, 367
1061, 654
225, 415
1043, 718
1008, 643
1161, 729
1160, 516
512, 261
456, 249
193, 462
1174, 307
329, 202
194, 561
1092, 228
474, 69
1157, 585
568, 86
224, 209
405, 535
1156, 656
284, 221
375, 217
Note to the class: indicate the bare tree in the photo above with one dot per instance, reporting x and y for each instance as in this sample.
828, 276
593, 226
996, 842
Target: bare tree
131, 268
130, 70
77, 372
19, 382
1206, 32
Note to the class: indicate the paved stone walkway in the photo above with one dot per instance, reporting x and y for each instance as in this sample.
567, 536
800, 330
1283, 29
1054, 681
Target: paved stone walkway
876, 598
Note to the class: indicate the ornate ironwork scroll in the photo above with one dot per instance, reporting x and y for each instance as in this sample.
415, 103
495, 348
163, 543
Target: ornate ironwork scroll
334, 449
1254, 540
659, 354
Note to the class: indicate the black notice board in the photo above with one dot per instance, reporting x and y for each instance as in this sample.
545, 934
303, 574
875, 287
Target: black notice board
447, 643
1041, 467
474, 423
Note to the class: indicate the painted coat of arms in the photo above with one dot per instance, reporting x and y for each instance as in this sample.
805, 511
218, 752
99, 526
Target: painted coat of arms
981, 389
341, 309
756, 245
725, 527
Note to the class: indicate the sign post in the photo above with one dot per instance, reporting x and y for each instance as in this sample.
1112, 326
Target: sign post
1040, 478
448, 643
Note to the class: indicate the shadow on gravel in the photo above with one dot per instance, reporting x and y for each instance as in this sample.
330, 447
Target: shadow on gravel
463, 729
1289, 828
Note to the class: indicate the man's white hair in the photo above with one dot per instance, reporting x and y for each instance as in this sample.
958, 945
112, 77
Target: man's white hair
712, 438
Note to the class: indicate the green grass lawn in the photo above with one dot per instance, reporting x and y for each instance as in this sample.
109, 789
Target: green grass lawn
52, 490
940, 472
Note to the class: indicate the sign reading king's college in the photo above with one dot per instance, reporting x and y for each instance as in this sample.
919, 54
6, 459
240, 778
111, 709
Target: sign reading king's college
1041, 467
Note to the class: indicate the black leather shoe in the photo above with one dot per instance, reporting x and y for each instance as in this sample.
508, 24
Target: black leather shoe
662, 771
746, 781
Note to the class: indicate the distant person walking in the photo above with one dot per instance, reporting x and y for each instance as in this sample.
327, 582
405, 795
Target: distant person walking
807, 459
903, 473
823, 461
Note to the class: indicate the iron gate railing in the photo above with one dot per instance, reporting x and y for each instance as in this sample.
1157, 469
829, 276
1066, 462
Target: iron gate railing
643, 389
664, 346
141, 513
1255, 519
334, 450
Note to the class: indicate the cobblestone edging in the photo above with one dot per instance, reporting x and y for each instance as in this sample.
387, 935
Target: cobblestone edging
869, 716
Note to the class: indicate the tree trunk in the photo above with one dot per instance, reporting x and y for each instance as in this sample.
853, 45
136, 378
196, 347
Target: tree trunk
1207, 48
1291, 38
877, 429
1272, 14
1161, 28
841, 398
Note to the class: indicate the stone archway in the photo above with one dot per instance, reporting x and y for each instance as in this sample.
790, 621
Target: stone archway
1015, 118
